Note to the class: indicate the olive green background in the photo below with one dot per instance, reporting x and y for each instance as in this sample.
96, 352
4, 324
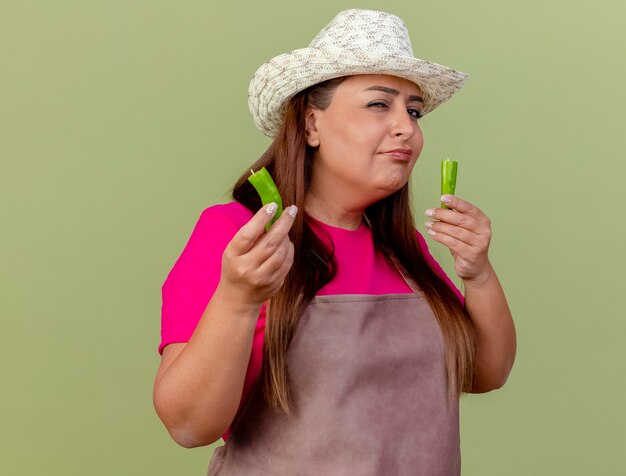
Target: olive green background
120, 121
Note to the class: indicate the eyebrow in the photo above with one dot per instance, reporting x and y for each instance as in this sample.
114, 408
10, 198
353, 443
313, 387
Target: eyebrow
393, 92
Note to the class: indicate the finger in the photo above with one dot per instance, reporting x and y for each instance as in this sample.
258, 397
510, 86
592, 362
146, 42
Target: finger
268, 262
248, 234
287, 263
462, 234
281, 274
454, 217
458, 248
282, 226
267, 245
461, 205
278, 264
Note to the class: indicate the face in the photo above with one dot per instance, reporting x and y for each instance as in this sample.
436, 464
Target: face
368, 139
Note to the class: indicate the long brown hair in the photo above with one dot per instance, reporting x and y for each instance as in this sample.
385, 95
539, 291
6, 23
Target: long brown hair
289, 160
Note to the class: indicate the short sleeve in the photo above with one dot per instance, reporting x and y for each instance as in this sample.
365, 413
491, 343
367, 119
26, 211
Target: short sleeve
436, 267
194, 277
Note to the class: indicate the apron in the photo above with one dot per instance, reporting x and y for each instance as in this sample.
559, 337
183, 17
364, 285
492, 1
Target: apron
367, 382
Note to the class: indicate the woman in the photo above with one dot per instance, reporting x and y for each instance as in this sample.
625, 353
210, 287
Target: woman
334, 343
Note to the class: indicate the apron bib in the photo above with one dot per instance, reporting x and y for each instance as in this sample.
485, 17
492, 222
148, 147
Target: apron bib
368, 387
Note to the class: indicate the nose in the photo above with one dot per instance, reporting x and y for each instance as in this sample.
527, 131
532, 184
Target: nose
403, 125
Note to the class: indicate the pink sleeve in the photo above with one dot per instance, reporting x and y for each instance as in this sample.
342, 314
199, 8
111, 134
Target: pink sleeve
436, 268
194, 278
192, 281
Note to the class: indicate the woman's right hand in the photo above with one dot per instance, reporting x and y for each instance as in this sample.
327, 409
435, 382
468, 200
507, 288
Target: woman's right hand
255, 263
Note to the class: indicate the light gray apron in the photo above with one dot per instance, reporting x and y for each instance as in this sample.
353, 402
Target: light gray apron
367, 380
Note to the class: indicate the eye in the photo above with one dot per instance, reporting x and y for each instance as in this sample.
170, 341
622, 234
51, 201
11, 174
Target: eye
415, 113
379, 104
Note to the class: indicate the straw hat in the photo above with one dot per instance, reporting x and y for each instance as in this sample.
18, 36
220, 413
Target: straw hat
354, 42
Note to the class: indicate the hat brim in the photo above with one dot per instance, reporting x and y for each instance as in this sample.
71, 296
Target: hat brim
282, 77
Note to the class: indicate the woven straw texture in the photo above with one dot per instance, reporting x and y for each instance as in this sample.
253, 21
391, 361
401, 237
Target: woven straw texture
354, 42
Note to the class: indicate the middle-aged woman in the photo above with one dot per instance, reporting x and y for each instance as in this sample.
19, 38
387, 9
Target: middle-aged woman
334, 344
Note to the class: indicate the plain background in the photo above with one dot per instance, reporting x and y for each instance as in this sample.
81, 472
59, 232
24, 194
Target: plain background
120, 121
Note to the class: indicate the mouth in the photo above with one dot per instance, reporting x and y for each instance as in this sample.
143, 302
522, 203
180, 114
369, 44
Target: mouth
400, 154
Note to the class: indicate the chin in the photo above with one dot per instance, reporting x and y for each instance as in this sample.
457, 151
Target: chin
395, 180
384, 192
394, 185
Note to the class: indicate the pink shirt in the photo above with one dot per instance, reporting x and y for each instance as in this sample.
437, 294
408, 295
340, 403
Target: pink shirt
362, 269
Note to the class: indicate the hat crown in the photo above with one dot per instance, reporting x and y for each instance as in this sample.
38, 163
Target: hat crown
354, 42
368, 31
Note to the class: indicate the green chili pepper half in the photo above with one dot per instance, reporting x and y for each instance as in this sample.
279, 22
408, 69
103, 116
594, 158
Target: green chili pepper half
266, 188
448, 177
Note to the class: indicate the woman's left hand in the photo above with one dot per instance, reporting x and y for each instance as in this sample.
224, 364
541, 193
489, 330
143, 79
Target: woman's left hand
466, 231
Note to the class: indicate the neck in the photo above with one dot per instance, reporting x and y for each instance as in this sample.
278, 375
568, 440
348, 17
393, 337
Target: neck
333, 212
